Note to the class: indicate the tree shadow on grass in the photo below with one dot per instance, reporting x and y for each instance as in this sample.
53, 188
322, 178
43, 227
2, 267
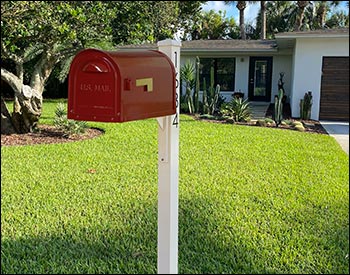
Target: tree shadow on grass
205, 247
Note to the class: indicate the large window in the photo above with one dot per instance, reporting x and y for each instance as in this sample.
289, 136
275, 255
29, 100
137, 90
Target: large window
224, 72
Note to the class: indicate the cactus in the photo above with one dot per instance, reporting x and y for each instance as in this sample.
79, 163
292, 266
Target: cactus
211, 88
305, 106
214, 99
210, 98
278, 108
196, 91
205, 98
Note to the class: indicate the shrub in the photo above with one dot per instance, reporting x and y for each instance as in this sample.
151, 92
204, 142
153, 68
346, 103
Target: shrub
238, 109
68, 126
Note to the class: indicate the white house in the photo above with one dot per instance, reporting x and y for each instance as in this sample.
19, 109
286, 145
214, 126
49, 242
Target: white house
316, 61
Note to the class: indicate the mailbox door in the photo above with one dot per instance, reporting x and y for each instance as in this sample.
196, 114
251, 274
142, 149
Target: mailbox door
93, 82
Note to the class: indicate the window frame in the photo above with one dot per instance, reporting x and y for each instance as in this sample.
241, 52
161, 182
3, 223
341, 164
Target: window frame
216, 62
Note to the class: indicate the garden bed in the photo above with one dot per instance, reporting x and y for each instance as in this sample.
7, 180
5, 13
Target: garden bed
47, 134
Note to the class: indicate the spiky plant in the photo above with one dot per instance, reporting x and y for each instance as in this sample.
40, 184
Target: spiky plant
68, 126
238, 109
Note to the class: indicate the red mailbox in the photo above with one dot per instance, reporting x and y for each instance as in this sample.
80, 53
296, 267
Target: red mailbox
119, 86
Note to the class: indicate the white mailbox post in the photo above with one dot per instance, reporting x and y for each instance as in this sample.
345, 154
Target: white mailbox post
168, 173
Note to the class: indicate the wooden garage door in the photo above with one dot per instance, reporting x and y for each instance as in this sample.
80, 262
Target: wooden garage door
334, 104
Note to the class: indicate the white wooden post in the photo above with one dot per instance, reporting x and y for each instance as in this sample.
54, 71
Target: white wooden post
168, 173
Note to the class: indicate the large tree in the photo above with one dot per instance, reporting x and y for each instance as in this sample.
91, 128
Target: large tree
277, 18
300, 14
214, 25
42, 34
322, 7
150, 21
263, 19
241, 6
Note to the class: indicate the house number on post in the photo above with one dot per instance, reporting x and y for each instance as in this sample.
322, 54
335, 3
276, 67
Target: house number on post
176, 117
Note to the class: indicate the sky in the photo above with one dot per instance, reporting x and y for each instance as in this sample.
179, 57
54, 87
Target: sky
250, 12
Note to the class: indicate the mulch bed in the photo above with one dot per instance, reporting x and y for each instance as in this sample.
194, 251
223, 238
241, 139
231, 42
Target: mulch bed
311, 126
47, 134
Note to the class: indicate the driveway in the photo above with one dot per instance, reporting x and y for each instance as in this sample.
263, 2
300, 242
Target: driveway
340, 131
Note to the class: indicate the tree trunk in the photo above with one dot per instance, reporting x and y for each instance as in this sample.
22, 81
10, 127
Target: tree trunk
6, 122
241, 5
321, 13
300, 16
263, 19
28, 100
26, 109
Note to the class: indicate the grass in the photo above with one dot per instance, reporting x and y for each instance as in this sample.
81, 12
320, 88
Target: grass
251, 200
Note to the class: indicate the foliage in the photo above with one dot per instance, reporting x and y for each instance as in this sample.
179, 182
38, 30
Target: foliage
38, 35
338, 19
137, 22
68, 126
281, 16
212, 25
238, 109
187, 78
211, 100
305, 106
26, 30
90, 207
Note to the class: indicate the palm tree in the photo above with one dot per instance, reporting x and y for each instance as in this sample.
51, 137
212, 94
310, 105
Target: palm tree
322, 7
300, 16
278, 18
241, 5
263, 19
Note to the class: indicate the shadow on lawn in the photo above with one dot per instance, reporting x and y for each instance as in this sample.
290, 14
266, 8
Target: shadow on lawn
204, 247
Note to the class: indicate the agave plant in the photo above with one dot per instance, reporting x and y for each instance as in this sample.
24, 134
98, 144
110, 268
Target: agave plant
238, 109
187, 74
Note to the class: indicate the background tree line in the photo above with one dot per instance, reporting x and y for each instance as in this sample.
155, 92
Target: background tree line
40, 38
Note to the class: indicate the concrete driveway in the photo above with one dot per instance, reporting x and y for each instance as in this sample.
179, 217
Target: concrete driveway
340, 131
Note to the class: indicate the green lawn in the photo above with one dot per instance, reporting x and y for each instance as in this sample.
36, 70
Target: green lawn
251, 200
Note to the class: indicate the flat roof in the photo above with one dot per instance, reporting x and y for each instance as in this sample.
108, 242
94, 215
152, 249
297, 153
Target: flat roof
340, 32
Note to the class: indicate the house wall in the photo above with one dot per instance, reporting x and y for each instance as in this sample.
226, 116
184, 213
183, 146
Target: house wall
307, 68
281, 63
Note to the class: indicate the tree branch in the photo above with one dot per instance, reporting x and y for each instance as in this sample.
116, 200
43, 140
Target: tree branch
13, 80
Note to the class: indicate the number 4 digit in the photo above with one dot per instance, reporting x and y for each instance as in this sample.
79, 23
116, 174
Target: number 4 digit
176, 120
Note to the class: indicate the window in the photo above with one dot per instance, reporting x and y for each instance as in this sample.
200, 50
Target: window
224, 72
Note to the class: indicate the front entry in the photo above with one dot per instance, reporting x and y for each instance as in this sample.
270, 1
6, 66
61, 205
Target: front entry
260, 74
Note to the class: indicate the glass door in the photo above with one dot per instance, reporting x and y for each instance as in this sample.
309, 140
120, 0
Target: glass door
260, 74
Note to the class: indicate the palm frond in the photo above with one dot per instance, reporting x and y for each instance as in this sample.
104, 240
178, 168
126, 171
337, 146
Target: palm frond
32, 52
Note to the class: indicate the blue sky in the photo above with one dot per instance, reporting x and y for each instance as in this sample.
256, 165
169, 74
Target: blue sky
250, 12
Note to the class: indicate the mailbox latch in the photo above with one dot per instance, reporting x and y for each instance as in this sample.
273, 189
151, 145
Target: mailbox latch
147, 82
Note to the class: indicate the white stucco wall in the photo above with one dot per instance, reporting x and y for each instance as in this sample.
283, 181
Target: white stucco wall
282, 63
307, 68
242, 74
